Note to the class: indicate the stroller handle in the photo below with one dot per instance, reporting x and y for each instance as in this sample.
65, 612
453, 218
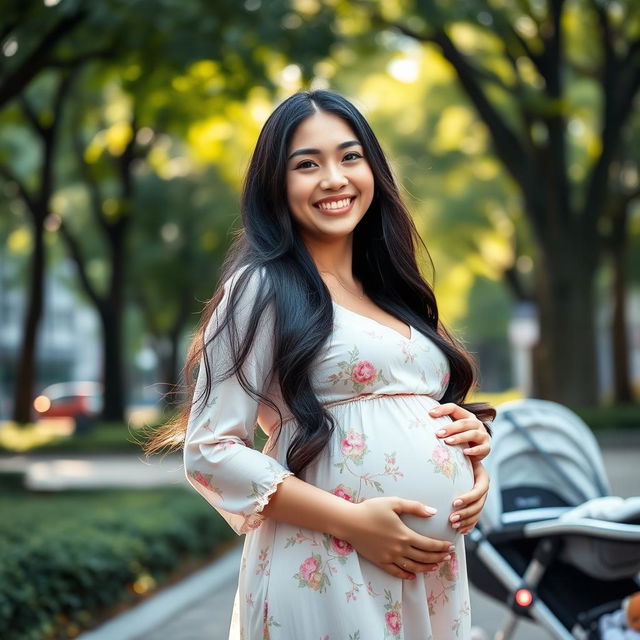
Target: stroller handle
587, 527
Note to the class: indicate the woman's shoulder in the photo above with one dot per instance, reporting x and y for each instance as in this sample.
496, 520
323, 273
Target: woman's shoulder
243, 287
248, 278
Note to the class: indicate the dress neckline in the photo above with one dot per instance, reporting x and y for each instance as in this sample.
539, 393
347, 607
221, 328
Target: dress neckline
380, 324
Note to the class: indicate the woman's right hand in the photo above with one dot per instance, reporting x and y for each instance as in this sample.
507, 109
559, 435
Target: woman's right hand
377, 533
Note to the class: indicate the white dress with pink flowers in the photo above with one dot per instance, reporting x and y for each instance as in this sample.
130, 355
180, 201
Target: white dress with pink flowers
300, 584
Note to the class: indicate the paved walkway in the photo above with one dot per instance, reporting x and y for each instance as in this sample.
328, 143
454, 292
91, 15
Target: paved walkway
56, 472
204, 609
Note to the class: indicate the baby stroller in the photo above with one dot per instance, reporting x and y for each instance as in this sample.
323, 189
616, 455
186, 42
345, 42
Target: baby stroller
551, 544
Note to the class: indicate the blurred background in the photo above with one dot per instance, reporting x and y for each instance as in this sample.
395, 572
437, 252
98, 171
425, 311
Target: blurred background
125, 130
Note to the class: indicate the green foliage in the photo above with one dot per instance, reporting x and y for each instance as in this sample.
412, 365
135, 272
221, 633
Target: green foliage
611, 417
67, 557
12, 480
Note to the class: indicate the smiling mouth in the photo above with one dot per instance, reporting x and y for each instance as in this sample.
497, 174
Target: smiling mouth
336, 205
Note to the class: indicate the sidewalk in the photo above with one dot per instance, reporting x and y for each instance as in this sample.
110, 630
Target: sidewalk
56, 472
199, 608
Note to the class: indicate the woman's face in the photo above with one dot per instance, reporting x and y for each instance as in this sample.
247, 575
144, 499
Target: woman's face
329, 182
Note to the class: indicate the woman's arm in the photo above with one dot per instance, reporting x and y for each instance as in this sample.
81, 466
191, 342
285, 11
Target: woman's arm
220, 460
372, 527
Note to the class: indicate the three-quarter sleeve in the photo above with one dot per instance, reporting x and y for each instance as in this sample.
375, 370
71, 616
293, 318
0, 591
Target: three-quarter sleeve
220, 460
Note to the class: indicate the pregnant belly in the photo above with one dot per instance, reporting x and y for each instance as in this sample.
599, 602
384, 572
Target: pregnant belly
386, 446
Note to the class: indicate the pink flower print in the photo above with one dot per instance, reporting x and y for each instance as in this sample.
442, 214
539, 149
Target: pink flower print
392, 617
453, 565
343, 492
449, 569
431, 601
440, 455
359, 373
363, 372
353, 444
308, 568
205, 480
312, 574
201, 479
315, 581
341, 547
394, 622
443, 462
445, 381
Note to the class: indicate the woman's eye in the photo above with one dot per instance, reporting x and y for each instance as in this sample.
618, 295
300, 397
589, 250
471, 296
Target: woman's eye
354, 154
302, 164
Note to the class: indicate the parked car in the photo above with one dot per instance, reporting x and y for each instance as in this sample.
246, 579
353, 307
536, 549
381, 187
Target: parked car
69, 399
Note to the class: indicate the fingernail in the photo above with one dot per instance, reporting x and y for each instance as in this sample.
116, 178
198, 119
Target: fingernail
455, 525
452, 548
442, 432
430, 510
455, 518
446, 558
457, 503
434, 410
450, 440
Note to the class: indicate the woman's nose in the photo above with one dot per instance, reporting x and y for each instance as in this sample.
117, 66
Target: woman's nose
334, 178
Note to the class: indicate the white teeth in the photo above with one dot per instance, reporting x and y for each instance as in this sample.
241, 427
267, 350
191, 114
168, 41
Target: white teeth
338, 204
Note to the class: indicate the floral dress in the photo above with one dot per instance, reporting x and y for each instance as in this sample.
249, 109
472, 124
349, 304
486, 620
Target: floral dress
301, 584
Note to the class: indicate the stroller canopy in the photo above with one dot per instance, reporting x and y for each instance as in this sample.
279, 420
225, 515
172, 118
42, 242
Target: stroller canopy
538, 444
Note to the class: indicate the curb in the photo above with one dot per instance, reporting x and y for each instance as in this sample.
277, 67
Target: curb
160, 608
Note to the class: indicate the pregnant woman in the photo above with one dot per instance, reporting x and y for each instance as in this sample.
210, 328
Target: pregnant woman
324, 332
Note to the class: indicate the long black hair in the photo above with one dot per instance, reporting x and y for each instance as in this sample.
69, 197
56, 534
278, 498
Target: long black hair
385, 244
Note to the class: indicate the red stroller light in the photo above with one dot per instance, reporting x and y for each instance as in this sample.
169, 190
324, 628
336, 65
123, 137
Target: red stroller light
524, 597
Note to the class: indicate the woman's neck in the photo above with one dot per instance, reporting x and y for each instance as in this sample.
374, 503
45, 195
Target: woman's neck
334, 258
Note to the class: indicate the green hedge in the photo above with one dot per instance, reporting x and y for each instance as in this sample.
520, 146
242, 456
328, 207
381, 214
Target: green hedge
67, 557
611, 418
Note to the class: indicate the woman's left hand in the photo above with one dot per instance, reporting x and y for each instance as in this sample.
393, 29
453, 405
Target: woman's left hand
464, 428
469, 505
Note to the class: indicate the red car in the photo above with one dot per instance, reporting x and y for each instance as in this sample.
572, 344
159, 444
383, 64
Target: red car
69, 399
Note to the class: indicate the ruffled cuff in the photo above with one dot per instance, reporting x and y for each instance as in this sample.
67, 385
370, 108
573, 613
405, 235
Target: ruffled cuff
255, 519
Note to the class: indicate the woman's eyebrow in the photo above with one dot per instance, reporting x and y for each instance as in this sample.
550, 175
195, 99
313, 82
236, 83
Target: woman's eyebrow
304, 152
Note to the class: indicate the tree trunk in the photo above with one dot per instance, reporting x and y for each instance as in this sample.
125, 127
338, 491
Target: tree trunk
172, 364
565, 359
112, 315
113, 378
23, 393
168, 363
622, 392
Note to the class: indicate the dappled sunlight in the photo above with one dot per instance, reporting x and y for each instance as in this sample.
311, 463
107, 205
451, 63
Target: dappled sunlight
452, 128
495, 398
139, 417
452, 292
20, 439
